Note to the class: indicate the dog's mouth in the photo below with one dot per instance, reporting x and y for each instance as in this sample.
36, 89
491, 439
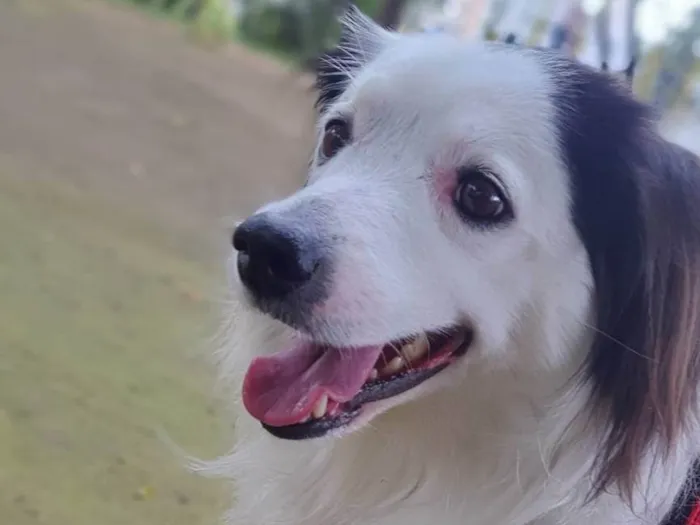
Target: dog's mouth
312, 389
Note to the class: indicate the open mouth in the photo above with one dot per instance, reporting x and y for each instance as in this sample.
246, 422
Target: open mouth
312, 389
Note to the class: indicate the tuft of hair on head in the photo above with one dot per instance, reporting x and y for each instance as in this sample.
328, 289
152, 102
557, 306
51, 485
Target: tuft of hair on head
626, 75
630, 70
361, 40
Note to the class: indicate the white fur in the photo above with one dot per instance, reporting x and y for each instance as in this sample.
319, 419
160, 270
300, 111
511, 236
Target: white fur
503, 437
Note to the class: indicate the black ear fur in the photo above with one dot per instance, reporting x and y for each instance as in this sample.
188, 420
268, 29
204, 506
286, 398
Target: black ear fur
635, 206
648, 372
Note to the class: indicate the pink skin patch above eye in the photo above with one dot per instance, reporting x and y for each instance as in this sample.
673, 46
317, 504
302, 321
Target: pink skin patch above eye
443, 170
445, 184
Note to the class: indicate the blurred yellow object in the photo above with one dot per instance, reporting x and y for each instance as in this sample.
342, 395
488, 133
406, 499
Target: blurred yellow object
145, 493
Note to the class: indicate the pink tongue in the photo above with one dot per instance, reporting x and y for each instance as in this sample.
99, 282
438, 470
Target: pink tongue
282, 389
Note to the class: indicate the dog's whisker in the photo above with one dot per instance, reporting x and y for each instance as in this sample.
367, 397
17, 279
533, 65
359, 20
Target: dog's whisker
613, 339
604, 334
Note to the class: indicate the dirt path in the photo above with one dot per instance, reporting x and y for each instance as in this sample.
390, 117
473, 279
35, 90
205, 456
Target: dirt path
101, 96
125, 150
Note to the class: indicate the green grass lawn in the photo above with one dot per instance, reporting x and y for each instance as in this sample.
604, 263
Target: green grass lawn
103, 329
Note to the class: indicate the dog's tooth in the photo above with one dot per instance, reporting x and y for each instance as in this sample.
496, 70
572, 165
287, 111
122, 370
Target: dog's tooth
374, 374
394, 365
320, 407
416, 349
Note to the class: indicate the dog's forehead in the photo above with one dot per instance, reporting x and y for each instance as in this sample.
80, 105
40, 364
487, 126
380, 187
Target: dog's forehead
440, 73
435, 93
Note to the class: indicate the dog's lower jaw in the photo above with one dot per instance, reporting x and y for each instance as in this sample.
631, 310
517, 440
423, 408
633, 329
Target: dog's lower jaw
519, 461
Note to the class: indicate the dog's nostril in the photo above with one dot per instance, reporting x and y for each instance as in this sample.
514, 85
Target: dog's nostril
274, 259
238, 240
287, 267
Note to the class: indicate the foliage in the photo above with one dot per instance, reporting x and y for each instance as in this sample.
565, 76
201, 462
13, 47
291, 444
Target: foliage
296, 29
211, 19
299, 28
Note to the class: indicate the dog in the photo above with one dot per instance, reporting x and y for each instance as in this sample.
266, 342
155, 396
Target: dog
482, 308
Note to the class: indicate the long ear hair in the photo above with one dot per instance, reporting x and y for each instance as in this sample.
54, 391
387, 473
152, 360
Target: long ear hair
645, 361
636, 206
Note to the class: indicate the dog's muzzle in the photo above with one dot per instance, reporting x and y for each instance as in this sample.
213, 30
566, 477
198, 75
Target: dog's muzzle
283, 266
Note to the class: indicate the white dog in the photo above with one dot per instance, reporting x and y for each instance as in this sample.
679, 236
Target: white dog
482, 309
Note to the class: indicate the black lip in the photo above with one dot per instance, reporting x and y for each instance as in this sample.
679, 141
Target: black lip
312, 429
375, 391
378, 390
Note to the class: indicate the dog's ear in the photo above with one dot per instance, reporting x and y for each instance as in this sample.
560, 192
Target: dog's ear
645, 362
361, 40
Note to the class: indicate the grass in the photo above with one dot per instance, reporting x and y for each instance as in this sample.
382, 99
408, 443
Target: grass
101, 331
211, 28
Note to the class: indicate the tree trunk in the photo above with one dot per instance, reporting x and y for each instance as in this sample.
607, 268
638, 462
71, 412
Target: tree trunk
602, 33
558, 27
678, 60
631, 30
390, 13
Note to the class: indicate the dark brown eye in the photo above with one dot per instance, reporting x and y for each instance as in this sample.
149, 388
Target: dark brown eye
335, 137
479, 197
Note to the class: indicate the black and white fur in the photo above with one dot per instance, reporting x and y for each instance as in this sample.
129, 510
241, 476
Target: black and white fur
577, 403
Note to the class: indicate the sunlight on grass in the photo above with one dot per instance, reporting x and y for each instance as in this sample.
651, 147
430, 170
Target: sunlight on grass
102, 329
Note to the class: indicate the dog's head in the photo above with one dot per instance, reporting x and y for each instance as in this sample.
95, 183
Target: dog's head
476, 202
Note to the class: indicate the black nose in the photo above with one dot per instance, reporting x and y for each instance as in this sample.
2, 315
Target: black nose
274, 259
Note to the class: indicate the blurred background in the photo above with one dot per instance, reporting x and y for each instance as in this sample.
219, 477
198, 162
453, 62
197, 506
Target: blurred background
132, 134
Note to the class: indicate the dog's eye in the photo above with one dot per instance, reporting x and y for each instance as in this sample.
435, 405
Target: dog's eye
335, 136
479, 197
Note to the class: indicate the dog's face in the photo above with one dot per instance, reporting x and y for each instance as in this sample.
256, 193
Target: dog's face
438, 196
436, 213
435, 199
466, 202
